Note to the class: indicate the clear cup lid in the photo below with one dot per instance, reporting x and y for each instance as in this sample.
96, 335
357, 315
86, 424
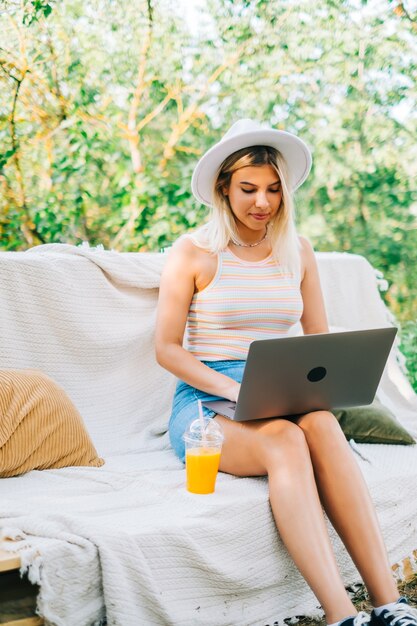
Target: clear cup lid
213, 432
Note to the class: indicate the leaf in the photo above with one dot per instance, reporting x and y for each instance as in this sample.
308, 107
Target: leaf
6, 156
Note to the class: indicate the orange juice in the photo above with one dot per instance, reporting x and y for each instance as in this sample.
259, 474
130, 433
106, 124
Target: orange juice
202, 465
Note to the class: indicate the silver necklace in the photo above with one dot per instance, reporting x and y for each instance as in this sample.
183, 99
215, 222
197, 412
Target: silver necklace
249, 245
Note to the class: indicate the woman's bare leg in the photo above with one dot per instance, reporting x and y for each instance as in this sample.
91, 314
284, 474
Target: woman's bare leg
347, 502
279, 449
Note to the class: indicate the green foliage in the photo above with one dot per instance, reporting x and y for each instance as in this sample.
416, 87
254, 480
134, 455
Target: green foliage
408, 347
28, 11
105, 107
35, 10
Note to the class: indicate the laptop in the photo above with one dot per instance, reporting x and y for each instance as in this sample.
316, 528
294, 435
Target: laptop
290, 376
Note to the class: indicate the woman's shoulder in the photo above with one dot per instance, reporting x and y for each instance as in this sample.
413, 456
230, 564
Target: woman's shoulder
187, 254
189, 261
308, 258
186, 246
305, 244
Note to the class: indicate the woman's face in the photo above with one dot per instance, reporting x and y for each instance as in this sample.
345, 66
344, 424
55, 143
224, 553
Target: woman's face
255, 196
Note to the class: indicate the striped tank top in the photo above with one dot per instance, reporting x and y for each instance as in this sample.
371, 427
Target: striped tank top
246, 300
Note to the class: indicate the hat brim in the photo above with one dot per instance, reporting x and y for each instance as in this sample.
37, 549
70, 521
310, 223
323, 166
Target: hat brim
294, 151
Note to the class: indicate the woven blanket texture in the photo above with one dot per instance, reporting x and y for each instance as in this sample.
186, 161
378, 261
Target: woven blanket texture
126, 540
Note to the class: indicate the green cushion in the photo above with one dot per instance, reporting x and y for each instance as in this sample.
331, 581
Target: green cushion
373, 423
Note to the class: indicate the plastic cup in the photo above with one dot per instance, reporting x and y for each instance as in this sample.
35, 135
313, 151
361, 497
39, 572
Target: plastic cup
202, 455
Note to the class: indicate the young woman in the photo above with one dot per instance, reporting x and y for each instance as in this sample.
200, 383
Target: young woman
247, 275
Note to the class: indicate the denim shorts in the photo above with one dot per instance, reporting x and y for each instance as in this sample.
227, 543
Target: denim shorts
185, 403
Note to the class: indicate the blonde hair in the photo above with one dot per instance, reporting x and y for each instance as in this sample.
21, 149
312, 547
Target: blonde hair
216, 234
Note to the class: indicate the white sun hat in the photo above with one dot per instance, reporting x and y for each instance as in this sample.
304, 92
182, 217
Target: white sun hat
243, 134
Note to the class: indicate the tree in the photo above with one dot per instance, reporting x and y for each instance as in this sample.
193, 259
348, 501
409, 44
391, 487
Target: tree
99, 141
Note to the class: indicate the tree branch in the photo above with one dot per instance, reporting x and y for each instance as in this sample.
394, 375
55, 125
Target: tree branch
54, 73
401, 11
190, 113
28, 228
128, 226
132, 130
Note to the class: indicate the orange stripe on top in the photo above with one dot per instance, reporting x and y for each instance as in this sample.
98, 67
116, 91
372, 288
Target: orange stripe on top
245, 301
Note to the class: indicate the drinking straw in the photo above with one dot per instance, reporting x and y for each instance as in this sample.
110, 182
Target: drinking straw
201, 416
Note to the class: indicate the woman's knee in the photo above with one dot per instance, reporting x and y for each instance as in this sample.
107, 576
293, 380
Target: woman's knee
321, 428
282, 439
254, 448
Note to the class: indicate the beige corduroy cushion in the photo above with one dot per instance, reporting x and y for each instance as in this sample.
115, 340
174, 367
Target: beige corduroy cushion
40, 428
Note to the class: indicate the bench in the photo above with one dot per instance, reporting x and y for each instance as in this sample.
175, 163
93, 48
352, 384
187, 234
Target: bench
126, 540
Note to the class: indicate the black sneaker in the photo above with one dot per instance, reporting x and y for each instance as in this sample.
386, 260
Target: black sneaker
401, 615
357, 620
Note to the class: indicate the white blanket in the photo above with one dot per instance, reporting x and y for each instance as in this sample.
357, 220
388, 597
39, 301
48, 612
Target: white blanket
127, 540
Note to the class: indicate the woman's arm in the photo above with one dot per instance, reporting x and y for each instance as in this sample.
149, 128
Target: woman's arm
314, 318
175, 294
